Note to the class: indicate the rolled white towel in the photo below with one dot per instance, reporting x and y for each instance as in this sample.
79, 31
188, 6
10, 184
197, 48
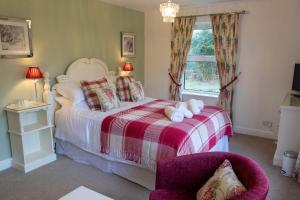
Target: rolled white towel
200, 104
195, 106
182, 107
173, 114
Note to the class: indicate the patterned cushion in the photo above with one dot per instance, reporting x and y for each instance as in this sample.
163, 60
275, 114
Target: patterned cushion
108, 98
123, 90
224, 184
89, 89
136, 91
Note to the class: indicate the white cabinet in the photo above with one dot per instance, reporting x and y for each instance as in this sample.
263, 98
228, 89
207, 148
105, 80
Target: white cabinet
289, 128
31, 137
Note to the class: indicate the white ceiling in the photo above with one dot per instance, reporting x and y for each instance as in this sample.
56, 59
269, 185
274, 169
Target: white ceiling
143, 5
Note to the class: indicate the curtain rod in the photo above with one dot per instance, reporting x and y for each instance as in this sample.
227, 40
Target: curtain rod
223, 13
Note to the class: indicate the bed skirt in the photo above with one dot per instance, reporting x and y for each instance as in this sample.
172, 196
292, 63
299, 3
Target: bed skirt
130, 171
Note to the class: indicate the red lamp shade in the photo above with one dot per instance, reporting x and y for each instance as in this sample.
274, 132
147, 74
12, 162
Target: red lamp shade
128, 67
34, 73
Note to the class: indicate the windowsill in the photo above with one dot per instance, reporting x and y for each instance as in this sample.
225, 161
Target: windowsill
202, 94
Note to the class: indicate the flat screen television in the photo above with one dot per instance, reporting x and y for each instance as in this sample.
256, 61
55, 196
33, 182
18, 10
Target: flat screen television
296, 80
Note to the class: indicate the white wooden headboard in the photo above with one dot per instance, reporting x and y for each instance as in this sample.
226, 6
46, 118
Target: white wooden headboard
85, 69
81, 69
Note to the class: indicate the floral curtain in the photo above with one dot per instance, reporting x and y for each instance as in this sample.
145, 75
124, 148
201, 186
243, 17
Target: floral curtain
225, 32
182, 30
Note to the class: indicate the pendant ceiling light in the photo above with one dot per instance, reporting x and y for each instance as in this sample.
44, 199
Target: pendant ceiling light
168, 11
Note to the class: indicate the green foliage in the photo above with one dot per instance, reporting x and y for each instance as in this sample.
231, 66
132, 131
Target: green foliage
202, 76
201, 71
202, 43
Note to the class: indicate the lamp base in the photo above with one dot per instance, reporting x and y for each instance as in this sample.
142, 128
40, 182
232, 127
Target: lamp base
35, 89
124, 73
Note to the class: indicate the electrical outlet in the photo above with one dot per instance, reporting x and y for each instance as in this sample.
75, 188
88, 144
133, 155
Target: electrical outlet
267, 124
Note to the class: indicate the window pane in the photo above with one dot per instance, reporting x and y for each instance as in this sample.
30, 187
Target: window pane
202, 76
202, 43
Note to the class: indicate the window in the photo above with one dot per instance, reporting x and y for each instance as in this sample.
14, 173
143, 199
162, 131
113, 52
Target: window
201, 73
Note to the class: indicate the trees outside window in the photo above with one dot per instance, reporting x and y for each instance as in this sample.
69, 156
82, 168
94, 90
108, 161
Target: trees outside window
201, 73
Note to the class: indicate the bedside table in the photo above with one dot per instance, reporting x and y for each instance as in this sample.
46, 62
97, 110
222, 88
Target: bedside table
30, 136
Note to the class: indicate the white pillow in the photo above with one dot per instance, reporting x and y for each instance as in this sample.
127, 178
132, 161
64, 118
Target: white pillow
111, 79
112, 82
71, 91
63, 101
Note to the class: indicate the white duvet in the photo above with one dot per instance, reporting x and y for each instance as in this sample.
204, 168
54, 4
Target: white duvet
81, 126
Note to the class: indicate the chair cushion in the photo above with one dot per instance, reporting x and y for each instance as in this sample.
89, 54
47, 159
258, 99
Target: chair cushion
162, 194
224, 184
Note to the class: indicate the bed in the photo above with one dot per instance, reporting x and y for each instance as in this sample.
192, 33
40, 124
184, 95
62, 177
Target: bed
81, 133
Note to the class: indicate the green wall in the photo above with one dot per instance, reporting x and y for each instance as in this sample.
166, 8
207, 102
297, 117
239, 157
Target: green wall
63, 31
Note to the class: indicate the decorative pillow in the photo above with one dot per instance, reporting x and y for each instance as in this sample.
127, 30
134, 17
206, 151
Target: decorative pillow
123, 90
89, 89
108, 98
112, 84
71, 91
224, 184
136, 91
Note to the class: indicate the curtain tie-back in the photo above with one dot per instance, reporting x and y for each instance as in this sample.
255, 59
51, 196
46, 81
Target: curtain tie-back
231, 82
173, 79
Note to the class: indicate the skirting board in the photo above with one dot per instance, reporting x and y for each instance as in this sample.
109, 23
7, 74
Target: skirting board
277, 160
35, 164
255, 132
5, 164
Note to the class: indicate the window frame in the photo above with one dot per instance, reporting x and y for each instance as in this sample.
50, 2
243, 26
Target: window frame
201, 24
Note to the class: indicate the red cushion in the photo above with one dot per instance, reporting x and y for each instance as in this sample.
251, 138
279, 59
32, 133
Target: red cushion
123, 90
89, 89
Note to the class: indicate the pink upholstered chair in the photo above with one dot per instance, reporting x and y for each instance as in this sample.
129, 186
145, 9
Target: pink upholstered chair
180, 178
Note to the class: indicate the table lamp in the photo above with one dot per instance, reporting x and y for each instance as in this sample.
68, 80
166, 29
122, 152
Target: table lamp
128, 67
34, 73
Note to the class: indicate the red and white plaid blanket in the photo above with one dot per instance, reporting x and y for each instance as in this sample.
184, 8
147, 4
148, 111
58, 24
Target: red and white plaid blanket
144, 135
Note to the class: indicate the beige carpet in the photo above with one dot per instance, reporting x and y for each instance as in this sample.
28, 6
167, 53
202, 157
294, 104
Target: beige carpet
262, 150
64, 175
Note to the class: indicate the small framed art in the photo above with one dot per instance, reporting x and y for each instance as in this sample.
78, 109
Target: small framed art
15, 38
127, 44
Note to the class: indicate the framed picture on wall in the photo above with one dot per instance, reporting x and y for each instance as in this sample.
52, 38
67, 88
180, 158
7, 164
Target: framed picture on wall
128, 44
15, 38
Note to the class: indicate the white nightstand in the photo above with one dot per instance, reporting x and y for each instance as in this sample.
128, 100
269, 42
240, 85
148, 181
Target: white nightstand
30, 136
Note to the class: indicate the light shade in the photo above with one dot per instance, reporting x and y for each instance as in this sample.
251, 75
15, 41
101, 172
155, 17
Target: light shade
128, 66
168, 11
34, 73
